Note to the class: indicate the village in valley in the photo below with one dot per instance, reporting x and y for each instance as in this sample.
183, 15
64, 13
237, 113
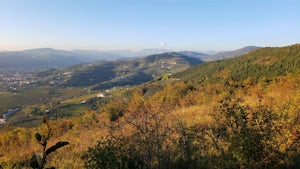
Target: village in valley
15, 80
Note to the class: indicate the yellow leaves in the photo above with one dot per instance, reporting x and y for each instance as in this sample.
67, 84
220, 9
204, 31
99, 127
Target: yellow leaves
193, 115
248, 82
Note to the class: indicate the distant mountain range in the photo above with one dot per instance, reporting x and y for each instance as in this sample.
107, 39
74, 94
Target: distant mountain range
46, 58
220, 55
231, 54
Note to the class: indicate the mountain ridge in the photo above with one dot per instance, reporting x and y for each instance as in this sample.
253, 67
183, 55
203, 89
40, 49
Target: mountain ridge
47, 58
233, 53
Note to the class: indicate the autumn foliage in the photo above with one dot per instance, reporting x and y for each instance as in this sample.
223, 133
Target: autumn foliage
224, 118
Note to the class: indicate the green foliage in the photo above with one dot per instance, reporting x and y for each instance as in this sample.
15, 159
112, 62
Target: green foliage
262, 63
166, 76
113, 153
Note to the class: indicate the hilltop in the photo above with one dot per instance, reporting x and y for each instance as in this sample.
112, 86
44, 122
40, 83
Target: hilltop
108, 74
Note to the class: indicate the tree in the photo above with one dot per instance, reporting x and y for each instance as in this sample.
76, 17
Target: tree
39, 160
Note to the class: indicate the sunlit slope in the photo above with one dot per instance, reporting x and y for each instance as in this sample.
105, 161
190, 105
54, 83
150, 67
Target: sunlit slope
261, 64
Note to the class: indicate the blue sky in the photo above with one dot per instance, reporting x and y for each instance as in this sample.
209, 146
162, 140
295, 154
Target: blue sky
137, 24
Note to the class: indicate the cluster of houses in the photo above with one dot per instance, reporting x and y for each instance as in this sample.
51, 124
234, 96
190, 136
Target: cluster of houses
8, 113
11, 81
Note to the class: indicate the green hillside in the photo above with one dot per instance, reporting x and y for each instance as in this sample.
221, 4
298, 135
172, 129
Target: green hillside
264, 63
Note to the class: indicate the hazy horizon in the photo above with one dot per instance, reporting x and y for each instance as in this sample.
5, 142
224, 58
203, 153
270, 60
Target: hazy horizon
104, 25
134, 50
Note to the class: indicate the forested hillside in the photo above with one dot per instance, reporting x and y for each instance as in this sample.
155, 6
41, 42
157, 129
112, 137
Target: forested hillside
236, 113
264, 63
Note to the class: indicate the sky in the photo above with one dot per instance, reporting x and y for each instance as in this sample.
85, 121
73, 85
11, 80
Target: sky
199, 25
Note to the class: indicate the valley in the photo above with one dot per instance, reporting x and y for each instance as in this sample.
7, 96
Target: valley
31, 90
165, 110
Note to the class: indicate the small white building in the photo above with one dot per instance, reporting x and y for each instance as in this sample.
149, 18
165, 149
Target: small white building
83, 102
2, 121
100, 95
